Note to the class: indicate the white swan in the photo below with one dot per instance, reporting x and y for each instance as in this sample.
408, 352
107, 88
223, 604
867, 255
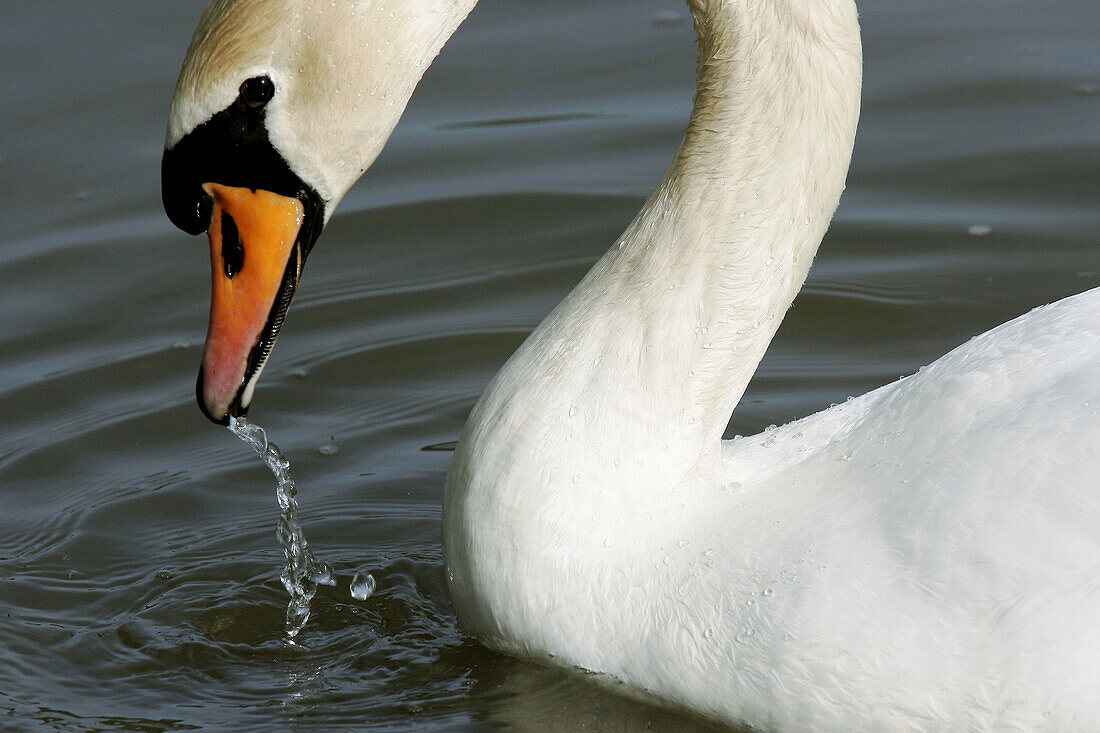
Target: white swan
924, 557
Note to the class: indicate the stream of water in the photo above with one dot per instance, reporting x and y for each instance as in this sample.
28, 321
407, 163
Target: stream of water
303, 571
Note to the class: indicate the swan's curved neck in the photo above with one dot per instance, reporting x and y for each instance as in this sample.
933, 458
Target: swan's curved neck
605, 424
669, 326
727, 239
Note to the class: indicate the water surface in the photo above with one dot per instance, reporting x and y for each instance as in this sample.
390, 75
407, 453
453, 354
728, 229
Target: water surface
139, 583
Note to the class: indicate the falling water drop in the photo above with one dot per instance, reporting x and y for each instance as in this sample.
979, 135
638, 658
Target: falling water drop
362, 586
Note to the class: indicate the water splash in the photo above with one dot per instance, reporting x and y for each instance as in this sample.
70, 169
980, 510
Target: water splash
303, 573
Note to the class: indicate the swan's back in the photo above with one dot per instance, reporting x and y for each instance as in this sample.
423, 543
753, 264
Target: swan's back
954, 535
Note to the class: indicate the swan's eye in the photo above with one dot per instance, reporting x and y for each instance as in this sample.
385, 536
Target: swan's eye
257, 91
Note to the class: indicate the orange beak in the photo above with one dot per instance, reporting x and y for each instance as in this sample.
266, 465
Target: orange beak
255, 263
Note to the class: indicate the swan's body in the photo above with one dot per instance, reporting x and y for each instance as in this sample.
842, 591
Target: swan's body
927, 555
900, 559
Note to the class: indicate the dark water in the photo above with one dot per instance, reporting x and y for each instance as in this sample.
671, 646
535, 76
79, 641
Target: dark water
139, 570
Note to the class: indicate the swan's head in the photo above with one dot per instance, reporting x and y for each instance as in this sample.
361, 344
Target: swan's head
280, 107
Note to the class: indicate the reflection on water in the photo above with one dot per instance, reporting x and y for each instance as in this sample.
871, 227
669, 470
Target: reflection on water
137, 586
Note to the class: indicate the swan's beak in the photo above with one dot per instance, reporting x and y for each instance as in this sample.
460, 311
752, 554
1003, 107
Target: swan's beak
256, 260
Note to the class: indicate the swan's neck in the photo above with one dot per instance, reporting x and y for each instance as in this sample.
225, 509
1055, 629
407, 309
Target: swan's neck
675, 318
617, 401
598, 443
725, 242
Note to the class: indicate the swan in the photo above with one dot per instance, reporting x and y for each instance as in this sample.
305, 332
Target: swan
925, 556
